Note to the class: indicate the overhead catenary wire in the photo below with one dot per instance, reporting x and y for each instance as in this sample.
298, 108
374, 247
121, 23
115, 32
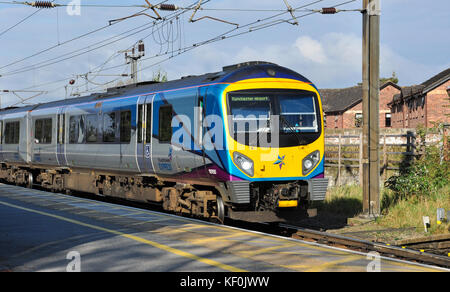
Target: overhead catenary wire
172, 16
66, 42
21, 21
256, 25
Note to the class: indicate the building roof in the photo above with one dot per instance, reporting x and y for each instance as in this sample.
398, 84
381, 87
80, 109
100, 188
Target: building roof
425, 87
436, 80
340, 100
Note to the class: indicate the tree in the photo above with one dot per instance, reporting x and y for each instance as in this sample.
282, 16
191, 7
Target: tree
393, 79
160, 76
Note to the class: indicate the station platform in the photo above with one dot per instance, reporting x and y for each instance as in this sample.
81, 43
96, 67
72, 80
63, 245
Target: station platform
41, 231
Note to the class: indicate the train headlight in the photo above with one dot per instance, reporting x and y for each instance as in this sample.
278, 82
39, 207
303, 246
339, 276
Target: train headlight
310, 162
244, 163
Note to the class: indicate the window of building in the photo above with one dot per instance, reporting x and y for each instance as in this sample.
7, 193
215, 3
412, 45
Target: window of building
91, 128
358, 120
12, 133
109, 127
388, 120
165, 124
43, 131
125, 127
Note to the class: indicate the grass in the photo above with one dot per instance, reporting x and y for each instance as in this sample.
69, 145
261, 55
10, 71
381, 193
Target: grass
405, 212
408, 212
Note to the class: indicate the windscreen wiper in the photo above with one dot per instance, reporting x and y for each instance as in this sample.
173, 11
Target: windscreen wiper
292, 128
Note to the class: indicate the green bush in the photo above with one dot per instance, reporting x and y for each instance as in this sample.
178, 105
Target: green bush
425, 176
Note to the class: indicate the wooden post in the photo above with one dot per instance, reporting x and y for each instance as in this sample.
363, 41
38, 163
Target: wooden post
361, 157
385, 161
371, 107
339, 160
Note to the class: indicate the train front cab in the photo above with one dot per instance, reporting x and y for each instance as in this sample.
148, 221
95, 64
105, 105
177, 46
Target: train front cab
270, 172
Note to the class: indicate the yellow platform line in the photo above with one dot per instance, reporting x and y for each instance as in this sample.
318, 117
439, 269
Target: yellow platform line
135, 238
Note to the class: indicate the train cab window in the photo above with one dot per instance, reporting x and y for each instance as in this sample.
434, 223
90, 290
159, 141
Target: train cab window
77, 132
12, 133
109, 127
43, 131
165, 124
125, 127
91, 128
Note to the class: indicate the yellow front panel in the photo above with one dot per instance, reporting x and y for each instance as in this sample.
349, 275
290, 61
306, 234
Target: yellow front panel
265, 159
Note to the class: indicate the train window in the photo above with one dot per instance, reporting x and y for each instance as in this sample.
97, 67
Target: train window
77, 130
125, 127
148, 133
43, 131
91, 128
1, 132
109, 127
12, 133
165, 124
139, 123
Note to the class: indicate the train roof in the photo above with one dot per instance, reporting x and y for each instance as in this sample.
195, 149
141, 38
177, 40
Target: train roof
229, 74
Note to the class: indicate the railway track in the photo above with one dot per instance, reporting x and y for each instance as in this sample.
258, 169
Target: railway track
386, 250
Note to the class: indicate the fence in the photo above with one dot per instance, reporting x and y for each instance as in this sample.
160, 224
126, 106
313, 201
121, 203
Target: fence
344, 154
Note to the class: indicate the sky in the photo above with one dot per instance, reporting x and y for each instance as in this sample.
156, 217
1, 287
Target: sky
50, 48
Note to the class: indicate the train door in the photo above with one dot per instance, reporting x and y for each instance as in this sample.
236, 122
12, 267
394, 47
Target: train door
61, 137
1, 140
144, 133
200, 129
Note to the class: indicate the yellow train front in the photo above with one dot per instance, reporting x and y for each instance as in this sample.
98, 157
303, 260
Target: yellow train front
273, 154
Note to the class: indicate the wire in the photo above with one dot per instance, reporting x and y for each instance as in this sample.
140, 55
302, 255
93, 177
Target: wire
17, 24
253, 26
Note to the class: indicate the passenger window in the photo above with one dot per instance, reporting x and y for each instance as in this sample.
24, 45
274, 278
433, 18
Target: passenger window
77, 130
12, 133
109, 127
125, 127
165, 124
91, 128
73, 129
43, 131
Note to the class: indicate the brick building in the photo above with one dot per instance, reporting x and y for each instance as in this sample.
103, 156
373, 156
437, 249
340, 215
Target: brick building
343, 107
422, 104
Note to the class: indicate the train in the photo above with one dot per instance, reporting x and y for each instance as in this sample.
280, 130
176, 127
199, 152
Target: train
240, 143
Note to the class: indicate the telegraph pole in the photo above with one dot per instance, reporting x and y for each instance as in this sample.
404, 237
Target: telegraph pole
371, 108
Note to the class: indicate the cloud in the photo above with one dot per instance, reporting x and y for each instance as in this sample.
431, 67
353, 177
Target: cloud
311, 49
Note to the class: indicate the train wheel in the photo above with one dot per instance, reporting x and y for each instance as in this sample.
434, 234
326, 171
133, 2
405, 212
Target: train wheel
220, 209
30, 181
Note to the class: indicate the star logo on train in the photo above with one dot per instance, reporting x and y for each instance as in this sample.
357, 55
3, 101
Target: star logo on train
280, 161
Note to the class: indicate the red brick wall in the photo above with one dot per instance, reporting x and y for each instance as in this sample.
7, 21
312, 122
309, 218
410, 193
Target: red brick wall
438, 105
397, 115
333, 121
349, 117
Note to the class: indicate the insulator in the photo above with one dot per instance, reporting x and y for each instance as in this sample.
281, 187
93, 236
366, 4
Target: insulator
329, 10
141, 47
43, 4
168, 7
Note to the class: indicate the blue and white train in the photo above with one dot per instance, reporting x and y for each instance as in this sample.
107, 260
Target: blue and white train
177, 143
